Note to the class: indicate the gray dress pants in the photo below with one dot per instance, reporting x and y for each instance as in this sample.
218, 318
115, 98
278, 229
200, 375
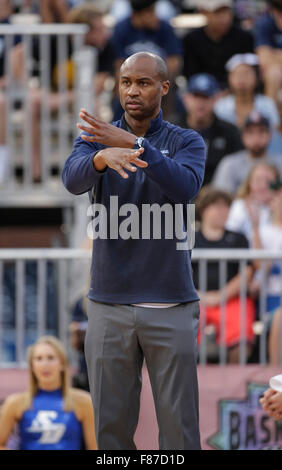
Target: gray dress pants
118, 338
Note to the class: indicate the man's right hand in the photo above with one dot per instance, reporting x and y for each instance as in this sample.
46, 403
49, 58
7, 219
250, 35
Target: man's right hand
119, 159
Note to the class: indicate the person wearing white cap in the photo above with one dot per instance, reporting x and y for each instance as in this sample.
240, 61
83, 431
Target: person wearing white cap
208, 48
243, 79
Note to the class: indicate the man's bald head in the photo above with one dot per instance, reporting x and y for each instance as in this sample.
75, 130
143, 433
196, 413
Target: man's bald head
142, 85
158, 66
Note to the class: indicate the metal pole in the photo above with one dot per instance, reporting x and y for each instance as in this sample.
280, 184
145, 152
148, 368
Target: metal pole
27, 127
262, 315
202, 322
41, 297
222, 283
20, 310
243, 294
44, 41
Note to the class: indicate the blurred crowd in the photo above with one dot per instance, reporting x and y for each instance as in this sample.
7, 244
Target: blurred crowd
226, 83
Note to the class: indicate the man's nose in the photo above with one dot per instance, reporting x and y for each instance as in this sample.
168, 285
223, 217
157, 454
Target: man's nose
133, 90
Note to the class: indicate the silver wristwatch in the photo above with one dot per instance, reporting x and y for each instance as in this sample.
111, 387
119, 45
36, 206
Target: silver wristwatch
139, 142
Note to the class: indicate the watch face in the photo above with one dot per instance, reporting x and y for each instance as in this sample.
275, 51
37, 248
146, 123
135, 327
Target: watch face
140, 141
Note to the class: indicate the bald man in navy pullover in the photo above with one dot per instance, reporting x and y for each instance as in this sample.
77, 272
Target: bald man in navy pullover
142, 301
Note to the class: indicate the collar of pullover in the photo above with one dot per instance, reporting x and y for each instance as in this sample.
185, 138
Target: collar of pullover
155, 124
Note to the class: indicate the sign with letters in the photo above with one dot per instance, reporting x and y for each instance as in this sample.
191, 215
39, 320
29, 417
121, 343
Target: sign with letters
231, 417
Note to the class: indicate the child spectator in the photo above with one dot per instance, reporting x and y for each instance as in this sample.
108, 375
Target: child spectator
232, 170
213, 208
243, 96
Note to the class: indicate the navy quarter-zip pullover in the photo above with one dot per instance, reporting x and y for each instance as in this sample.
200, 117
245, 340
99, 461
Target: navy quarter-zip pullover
137, 269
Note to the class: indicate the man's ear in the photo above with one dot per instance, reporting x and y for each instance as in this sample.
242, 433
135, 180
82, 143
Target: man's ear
165, 87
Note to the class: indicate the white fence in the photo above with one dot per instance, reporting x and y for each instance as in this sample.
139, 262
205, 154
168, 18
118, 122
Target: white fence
40, 120
36, 288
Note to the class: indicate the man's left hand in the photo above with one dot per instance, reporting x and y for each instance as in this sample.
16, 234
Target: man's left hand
104, 133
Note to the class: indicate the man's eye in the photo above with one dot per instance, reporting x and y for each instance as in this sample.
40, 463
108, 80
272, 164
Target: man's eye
125, 82
144, 83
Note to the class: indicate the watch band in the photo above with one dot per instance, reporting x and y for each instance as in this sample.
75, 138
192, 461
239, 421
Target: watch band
139, 142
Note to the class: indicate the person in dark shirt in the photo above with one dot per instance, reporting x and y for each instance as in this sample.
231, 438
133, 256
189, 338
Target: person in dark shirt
207, 49
268, 44
220, 136
213, 208
143, 31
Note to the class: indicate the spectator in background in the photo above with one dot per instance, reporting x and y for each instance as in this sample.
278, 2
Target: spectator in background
253, 201
269, 237
275, 338
275, 146
247, 12
221, 137
232, 170
96, 37
243, 97
53, 11
50, 415
143, 31
165, 9
207, 49
268, 44
14, 55
212, 206
77, 330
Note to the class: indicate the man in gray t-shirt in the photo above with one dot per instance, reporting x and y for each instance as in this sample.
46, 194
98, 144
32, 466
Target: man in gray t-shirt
234, 169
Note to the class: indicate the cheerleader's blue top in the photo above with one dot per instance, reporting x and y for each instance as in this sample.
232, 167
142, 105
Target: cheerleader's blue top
46, 426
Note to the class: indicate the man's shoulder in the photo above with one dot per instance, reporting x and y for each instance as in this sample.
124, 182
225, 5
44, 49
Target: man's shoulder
183, 135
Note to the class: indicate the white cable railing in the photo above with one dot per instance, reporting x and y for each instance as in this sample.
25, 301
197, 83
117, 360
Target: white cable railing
41, 127
45, 275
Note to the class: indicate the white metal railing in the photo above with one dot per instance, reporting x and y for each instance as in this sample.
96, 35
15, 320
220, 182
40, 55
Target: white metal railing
62, 260
55, 129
